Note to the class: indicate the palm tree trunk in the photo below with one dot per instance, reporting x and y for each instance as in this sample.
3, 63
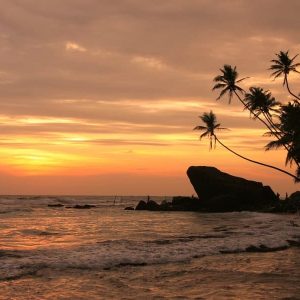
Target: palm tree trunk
288, 88
274, 126
297, 179
277, 131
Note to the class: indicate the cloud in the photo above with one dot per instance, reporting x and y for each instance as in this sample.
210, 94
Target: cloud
133, 73
149, 62
71, 46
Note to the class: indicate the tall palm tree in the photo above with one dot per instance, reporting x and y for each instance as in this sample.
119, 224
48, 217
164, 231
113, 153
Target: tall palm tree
211, 125
228, 84
259, 101
283, 65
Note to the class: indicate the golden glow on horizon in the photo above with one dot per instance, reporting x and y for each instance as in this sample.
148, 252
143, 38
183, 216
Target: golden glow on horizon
119, 147
129, 151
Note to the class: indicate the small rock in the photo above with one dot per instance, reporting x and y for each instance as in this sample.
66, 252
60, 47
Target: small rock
85, 206
55, 205
129, 208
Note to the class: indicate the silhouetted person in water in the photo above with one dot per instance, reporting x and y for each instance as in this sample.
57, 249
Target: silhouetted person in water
148, 199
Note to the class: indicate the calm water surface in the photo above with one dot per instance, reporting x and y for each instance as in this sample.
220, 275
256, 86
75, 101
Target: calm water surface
109, 253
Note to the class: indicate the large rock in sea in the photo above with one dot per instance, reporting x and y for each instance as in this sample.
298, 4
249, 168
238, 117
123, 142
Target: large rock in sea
221, 192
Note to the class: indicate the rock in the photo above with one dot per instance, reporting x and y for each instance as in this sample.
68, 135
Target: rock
223, 203
222, 192
55, 205
85, 206
142, 205
289, 205
166, 206
152, 205
129, 208
295, 196
178, 203
264, 248
186, 203
149, 205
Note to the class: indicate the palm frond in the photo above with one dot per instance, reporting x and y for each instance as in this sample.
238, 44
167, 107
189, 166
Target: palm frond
200, 128
273, 145
204, 134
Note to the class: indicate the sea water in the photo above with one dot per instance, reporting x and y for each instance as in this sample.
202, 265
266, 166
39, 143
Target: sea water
106, 252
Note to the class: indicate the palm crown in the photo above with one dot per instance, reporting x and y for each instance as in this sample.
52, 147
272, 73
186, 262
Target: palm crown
210, 120
290, 128
283, 65
227, 82
260, 101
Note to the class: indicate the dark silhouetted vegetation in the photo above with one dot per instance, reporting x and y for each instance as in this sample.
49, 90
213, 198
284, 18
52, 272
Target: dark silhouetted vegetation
210, 120
281, 120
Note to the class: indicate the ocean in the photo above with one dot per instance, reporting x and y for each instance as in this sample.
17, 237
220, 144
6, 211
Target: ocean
107, 252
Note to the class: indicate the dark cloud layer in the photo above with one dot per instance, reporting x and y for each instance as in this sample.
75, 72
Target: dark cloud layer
135, 49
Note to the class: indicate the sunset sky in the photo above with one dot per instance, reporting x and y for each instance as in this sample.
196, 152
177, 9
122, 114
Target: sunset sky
101, 96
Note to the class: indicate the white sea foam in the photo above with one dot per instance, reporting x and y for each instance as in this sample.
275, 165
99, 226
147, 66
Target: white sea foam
271, 231
41, 237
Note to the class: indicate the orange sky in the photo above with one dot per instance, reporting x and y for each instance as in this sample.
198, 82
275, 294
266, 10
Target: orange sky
101, 98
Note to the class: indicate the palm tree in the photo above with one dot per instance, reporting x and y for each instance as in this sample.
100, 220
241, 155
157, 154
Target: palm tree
283, 65
211, 125
210, 120
290, 129
227, 82
262, 102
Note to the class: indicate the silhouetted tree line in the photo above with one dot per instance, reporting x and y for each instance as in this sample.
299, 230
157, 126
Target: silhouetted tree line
281, 120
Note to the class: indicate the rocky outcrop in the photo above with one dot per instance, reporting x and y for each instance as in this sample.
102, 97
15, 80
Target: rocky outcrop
178, 204
289, 205
295, 196
149, 205
185, 203
221, 192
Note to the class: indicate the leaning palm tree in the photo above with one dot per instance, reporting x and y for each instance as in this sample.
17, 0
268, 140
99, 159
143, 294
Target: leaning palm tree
284, 65
211, 125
